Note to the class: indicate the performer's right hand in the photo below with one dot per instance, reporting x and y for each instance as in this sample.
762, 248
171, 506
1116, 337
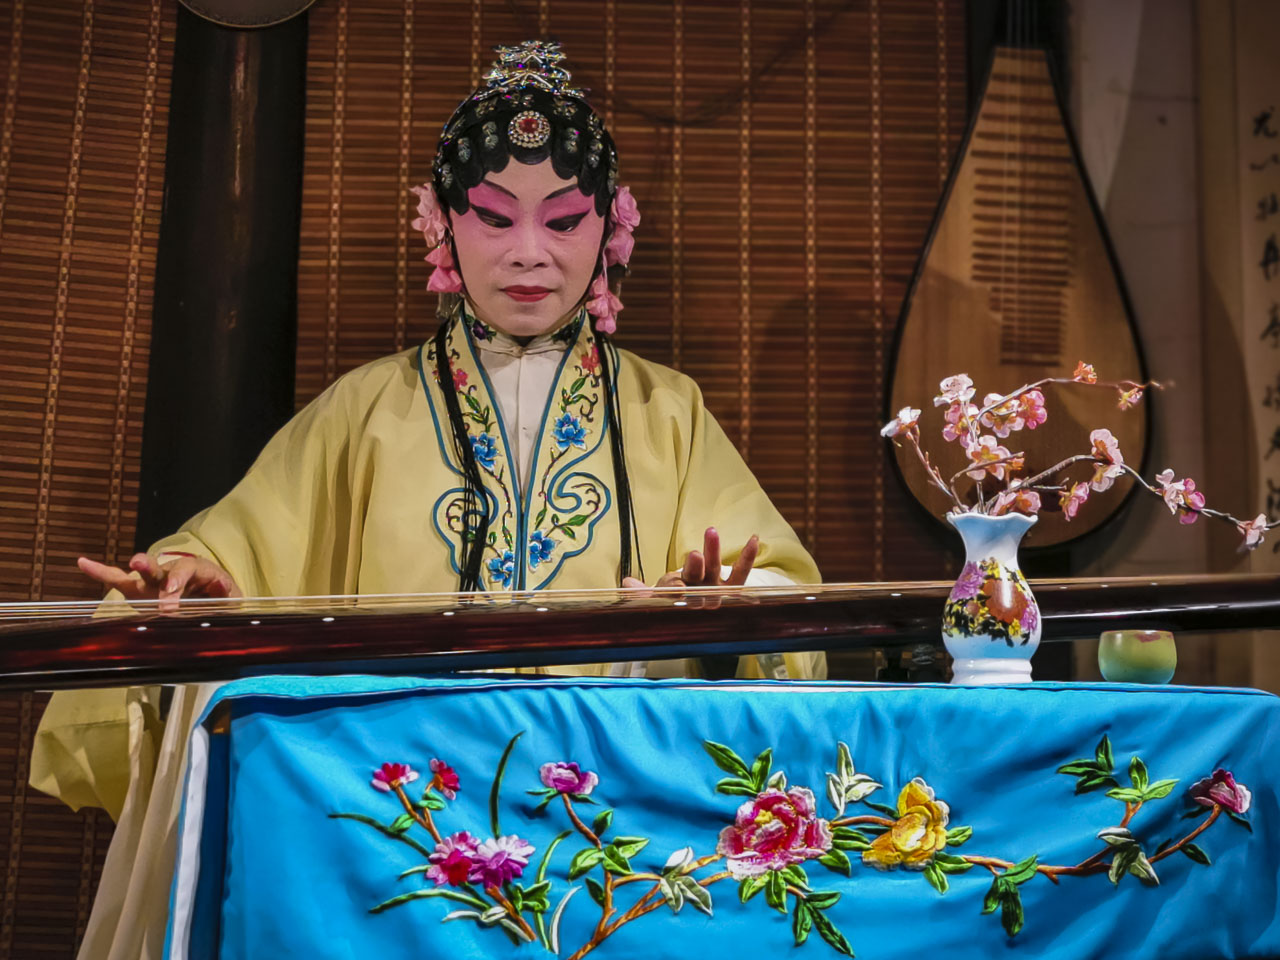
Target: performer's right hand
150, 579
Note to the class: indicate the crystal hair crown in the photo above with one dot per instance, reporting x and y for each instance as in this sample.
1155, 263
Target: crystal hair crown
534, 63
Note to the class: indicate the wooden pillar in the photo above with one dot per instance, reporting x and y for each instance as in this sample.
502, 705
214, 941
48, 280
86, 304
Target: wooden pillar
221, 374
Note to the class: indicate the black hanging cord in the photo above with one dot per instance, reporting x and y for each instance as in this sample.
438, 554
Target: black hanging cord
475, 503
622, 482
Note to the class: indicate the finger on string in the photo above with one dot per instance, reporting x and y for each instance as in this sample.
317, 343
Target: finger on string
694, 568
711, 544
671, 580
179, 575
746, 560
632, 583
112, 577
148, 566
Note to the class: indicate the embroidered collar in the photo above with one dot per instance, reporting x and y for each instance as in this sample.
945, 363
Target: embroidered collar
488, 337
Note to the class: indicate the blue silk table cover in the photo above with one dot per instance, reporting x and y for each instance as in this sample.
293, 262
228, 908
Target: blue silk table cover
486, 817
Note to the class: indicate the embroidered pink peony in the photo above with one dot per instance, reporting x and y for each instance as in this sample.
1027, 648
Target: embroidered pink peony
1253, 530
906, 419
1221, 790
568, 777
392, 775
444, 778
957, 389
1072, 499
444, 278
430, 219
499, 860
452, 860
773, 831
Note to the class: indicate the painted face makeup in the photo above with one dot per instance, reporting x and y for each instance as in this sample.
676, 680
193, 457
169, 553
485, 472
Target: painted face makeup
527, 248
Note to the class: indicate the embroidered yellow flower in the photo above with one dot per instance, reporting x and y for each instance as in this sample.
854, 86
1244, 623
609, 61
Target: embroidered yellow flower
919, 832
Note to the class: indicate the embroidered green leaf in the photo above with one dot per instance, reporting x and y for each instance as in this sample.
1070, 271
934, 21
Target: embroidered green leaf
802, 922
672, 892
1127, 794
1138, 773
846, 838
401, 823
1123, 858
1240, 820
1021, 872
546, 856
958, 835
568, 532
581, 798
577, 384
696, 894
948, 863
778, 781
629, 846
1011, 916
1159, 790
836, 860
884, 808
576, 521
830, 933
844, 761
1116, 836
535, 897
615, 861
1196, 854
601, 823
497, 784
775, 891
516, 896
472, 402
1103, 755
760, 769
583, 861
795, 875
1143, 870
1079, 768
678, 861
542, 515
749, 887
433, 892
1094, 782
554, 934
430, 801
937, 879
736, 787
596, 889
383, 829
992, 899
726, 759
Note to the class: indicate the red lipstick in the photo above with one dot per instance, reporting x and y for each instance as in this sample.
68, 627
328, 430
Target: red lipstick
526, 294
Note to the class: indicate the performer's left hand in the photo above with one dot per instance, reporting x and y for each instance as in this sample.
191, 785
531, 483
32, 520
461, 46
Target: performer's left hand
703, 569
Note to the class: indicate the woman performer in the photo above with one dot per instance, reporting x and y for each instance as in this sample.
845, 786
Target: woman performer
490, 459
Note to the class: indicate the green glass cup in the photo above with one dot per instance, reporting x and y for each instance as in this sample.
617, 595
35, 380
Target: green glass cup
1137, 656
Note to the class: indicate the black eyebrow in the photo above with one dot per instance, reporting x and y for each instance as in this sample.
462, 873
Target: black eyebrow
549, 196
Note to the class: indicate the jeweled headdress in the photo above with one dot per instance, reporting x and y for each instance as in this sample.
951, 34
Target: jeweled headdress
529, 110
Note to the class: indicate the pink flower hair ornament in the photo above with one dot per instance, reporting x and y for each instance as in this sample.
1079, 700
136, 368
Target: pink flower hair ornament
1004, 415
431, 222
603, 304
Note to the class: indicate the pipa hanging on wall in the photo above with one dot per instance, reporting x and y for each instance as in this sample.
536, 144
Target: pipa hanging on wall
1018, 281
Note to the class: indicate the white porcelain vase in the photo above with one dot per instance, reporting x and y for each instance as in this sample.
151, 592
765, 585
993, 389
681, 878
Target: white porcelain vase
991, 622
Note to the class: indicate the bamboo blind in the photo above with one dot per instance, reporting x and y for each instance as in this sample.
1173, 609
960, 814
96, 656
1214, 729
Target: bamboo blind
82, 139
786, 157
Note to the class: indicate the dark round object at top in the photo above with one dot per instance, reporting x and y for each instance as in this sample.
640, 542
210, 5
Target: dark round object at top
247, 13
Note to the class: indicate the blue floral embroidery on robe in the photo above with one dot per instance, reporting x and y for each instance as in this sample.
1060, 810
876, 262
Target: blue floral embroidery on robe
569, 432
503, 569
540, 547
485, 449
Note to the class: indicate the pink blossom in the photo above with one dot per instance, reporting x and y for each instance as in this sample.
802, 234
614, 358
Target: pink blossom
957, 389
1181, 497
1031, 408
444, 278
624, 210
772, 831
430, 219
1084, 373
906, 419
392, 775
452, 860
1253, 530
618, 249
959, 418
984, 454
603, 305
567, 777
968, 584
1021, 501
444, 777
1222, 790
1072, 499
1109, 460
1030, 618
459, 379
1130, 398
1004, 418
499, 860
